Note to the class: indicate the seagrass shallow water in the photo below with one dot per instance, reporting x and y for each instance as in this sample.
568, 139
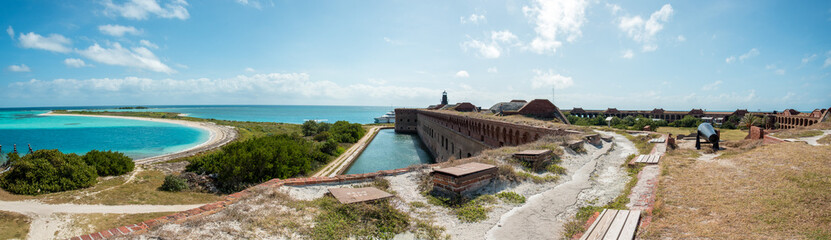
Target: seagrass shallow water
390, 150
137, 139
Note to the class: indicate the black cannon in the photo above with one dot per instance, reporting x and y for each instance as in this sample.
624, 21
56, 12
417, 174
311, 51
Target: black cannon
709, 134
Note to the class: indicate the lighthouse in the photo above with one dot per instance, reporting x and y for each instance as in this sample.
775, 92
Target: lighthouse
444, 98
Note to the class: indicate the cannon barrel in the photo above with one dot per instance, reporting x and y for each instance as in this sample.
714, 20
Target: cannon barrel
708, 132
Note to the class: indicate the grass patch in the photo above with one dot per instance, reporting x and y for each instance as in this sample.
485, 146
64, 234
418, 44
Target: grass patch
474, 210
825, 140
641, 142
726, 134
778, 191
511, 197
797, 133
13, 225
141, 190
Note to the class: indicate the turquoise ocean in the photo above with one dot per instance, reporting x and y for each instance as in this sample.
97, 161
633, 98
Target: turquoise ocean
140, 139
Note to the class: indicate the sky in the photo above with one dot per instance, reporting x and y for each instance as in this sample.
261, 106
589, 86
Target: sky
595, 54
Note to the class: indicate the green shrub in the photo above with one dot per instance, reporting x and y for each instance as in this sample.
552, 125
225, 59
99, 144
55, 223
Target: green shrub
47, 171
322, 137
174, 183
511, 197
257, 160
687, 121
346, 132
109, 163
329, 147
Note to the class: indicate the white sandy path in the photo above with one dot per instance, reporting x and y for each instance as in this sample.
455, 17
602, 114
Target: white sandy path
540, 217
219, 135
45, 222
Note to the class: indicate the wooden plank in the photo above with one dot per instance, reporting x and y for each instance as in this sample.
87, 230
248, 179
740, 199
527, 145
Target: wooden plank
630, 226
657, 158
647, 159
603, 225
640, 159
617, 225
652, 158
593, 226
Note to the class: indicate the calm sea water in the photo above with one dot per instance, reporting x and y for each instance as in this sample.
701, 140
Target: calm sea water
137, 139
390, 150
275, 113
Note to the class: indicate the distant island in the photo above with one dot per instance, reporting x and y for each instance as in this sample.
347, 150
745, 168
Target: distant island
139, 107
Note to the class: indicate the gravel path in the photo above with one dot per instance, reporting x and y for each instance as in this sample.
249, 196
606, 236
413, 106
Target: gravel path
811, 140
49, 218
542, 217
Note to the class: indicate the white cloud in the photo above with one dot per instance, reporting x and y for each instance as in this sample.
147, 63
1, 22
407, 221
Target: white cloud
752, 53
550, 79
248, 69
473, 18
776, 70
462, 74
494, 48
827, 63
614, 8
54, 43
628, 54
290, 88
377, 81
138, 57
552, 18
10, 31
681, 38
250, 3
75, 62
118, 30
730, 59
148, 44
142, 9
809, 58
19, 68
644, 31
712, 86
493, 70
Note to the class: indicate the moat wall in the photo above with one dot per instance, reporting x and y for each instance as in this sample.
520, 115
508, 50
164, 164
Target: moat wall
448, 135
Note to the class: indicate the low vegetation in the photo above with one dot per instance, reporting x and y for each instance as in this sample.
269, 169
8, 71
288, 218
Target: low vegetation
109, 163
242, 164
626, 123
174, 183
825, 140
777, 191
13, 225
95, 222
511, 197
47, 171
340, 131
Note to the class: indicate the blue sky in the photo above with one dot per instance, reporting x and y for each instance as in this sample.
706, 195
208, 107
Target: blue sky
717, 55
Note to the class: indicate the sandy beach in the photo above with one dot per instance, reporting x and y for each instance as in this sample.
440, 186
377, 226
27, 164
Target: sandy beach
219, 136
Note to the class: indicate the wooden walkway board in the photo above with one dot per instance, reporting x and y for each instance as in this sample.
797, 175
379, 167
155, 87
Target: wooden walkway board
614, 224
651, 159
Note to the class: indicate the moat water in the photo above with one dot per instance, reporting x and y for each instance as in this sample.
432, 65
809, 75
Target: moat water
390, 150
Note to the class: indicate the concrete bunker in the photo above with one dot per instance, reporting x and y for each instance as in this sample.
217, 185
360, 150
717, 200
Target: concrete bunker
536, 158
463, 179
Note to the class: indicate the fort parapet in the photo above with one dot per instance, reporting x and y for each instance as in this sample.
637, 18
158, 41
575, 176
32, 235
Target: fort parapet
449, 135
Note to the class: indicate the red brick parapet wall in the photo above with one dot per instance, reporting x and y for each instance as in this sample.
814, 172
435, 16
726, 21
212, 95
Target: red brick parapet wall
212, 208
